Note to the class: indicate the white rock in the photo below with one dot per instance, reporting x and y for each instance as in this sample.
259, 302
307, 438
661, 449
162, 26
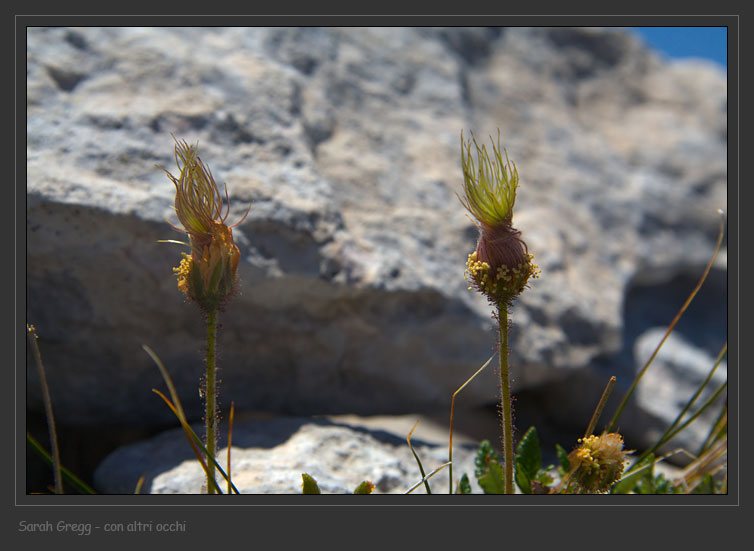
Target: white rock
269, 457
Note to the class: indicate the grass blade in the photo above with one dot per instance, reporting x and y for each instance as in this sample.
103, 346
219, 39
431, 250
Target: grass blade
189, 436
697, 413
430, 475
600, 407
674, 427
712, 461
421, 469
79, 485
718, 430
167, 379
702, 386
178, 411
193, 437
139, 484
452, 410
32, 333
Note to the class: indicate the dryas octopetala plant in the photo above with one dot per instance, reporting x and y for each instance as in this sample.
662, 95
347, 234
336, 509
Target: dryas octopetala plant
501, 266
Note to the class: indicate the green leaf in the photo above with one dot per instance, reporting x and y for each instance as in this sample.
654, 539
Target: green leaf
528, 460
310, 485
365, 487
492, 482
522, 478
565, 463
484, 456
489, 471
528, 454
464, 486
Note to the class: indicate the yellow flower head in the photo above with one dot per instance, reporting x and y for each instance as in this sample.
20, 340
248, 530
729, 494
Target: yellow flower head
598, 461
207, 276
501, 265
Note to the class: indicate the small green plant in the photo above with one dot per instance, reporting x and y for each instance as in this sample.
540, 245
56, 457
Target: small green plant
489, 470
531, 477
207, 276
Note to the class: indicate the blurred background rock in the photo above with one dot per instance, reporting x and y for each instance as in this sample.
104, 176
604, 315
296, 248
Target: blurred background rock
353, 300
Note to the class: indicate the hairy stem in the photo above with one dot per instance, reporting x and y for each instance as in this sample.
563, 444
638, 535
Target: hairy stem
505, 397
210, 395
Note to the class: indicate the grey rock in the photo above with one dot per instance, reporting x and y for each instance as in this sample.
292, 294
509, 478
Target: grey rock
269, 456
346, 142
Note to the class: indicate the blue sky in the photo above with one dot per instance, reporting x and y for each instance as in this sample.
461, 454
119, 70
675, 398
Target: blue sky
683, 42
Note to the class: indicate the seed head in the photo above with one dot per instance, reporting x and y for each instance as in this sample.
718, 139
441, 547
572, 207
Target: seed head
207, 276
598, 462
501, 265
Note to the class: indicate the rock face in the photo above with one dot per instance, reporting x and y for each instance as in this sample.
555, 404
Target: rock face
269, 457
346, 142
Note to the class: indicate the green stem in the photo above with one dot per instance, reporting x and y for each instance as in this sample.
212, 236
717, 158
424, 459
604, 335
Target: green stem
210, 393
505, 397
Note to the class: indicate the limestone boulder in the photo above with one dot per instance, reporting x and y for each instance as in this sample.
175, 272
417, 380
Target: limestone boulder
346, 142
